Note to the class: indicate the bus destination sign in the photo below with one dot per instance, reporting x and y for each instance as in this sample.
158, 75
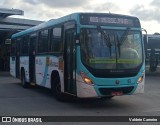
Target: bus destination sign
111, 20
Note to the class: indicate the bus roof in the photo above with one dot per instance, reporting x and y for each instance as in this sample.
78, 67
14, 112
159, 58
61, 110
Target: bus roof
52, 22
46, 24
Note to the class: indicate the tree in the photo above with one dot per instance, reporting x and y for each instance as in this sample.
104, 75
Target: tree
156, 33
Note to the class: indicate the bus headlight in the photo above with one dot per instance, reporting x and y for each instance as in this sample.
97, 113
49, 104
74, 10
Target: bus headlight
140, 79
86, 79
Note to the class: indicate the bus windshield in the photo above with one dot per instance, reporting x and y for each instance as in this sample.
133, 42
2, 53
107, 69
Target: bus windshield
111, 49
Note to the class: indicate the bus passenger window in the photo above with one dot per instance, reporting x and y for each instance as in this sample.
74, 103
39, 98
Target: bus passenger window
43, 41
56, 41
13, 47
24, 45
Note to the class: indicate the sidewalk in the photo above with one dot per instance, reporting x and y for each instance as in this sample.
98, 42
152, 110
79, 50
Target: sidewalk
6, 78
4, 74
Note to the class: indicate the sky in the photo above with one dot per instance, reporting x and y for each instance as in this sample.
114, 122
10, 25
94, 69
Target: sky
148, 11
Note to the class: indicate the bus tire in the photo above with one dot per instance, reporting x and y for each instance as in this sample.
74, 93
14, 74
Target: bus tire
23, 80
56, 87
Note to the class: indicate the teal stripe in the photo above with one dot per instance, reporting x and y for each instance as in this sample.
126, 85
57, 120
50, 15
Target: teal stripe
45, 76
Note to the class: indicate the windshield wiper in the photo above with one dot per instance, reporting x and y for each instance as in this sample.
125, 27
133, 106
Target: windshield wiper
121, 40
107, 38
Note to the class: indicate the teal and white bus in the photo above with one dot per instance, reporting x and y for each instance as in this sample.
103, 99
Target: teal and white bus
88, 55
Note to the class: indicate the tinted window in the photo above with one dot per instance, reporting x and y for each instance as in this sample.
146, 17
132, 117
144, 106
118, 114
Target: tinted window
56, 41
33, 40
24, 45
13, 47
43, 41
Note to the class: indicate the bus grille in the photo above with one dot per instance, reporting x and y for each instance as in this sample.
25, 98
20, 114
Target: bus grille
108, 91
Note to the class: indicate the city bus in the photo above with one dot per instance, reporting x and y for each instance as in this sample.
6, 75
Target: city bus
87, 55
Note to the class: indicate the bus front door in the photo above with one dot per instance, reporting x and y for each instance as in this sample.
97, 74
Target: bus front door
69, 62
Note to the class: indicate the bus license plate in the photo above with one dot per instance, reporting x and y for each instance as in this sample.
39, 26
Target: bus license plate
117, 93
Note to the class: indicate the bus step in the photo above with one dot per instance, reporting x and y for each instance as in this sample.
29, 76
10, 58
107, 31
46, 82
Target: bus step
32, 83
69, 94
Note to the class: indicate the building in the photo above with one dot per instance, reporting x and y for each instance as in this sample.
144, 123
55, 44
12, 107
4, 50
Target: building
9, 26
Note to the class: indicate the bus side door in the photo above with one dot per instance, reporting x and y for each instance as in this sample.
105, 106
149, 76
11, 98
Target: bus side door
18, 58
32, 49
69, 59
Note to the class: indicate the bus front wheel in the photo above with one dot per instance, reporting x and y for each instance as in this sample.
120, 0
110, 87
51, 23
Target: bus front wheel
56, 87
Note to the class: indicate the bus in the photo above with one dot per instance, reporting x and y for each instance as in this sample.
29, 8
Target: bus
87, 55
152, 52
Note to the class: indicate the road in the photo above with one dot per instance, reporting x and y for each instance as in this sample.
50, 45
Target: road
17, 101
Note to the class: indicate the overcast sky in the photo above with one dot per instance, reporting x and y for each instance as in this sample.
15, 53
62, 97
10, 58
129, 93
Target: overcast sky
148, 11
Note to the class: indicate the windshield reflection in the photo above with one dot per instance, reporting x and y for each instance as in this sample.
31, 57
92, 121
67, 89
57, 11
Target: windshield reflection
111, 49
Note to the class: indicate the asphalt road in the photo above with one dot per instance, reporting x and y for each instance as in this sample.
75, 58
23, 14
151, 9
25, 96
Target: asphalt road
17, 101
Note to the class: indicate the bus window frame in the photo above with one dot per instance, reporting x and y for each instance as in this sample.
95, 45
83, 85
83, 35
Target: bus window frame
38, 39
53, 39
13, 41
34, 35
26, 39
